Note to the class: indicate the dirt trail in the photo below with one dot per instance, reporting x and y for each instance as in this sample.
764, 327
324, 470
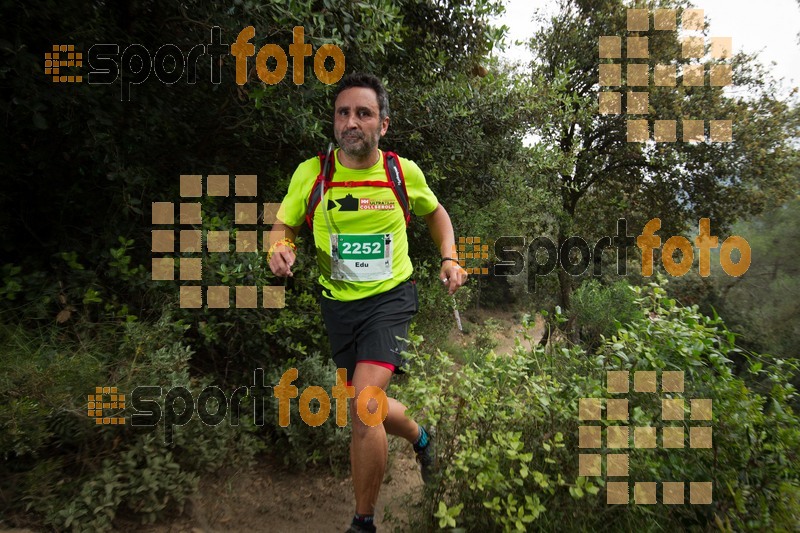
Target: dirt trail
268, 498
509, 329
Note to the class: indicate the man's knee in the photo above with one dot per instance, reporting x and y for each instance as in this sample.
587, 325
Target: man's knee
360, 430
368, 411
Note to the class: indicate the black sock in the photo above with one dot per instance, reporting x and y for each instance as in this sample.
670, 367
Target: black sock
422, 440
364, 521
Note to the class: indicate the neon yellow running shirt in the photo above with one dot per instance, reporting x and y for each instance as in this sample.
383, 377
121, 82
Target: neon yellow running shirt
358, 210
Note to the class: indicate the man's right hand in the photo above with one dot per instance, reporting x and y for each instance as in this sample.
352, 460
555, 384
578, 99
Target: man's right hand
282, 261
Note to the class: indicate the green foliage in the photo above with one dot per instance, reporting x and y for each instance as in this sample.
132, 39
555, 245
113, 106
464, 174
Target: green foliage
144, 479
435, 316
490, 466
466, 133
763, 304
507, 430
600, 310
303, 445
251, 338
597, 176
483, 339
74, 475
753, 461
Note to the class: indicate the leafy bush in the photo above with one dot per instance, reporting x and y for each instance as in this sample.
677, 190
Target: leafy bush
435, 306
300, 444
483, 341
508, 426
100, 470
754, 461
599, 310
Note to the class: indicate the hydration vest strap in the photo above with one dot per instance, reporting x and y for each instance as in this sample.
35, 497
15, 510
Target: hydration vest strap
358, 184
394, 173
394, 179
315, 196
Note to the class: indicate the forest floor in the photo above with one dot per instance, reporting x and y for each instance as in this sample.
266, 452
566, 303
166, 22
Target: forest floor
269, 498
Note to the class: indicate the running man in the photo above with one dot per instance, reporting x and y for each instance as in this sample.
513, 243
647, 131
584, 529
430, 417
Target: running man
358, 214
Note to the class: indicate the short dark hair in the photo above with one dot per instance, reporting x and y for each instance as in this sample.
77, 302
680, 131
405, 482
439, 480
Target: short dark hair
361, 79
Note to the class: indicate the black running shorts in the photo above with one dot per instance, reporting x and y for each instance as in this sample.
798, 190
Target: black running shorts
367, 329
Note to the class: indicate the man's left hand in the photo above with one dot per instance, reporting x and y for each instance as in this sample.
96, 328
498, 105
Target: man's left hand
453, 276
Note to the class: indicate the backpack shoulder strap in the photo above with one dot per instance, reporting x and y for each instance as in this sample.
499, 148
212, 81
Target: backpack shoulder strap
394, 173
315, 196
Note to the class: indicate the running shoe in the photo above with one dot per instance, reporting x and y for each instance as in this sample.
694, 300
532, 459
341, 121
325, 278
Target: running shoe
426, 458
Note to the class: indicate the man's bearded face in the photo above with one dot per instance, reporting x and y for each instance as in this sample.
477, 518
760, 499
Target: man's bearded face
357, 126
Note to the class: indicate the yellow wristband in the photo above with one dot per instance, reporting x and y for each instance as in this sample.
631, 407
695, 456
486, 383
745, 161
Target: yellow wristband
283, 242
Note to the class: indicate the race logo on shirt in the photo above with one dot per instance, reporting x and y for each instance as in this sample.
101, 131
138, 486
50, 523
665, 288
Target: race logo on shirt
365, 204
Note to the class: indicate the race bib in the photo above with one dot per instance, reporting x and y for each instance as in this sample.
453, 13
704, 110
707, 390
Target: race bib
361, 257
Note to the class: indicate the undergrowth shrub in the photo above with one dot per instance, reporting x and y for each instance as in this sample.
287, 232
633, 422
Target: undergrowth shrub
600, 309
436, 307
484, 340
507, 431
301, 445
68, 473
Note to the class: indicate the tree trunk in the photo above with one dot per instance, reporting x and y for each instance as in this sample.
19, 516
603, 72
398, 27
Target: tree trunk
565, 286
564, 279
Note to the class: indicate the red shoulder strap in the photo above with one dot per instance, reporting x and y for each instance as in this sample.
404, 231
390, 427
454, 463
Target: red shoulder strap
394, 173
315, 196
394, 179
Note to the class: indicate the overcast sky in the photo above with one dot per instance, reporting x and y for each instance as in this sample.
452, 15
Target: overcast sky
769, 27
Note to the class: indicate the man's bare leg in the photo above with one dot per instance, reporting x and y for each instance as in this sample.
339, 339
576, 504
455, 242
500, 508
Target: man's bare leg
368, 446
398, 424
